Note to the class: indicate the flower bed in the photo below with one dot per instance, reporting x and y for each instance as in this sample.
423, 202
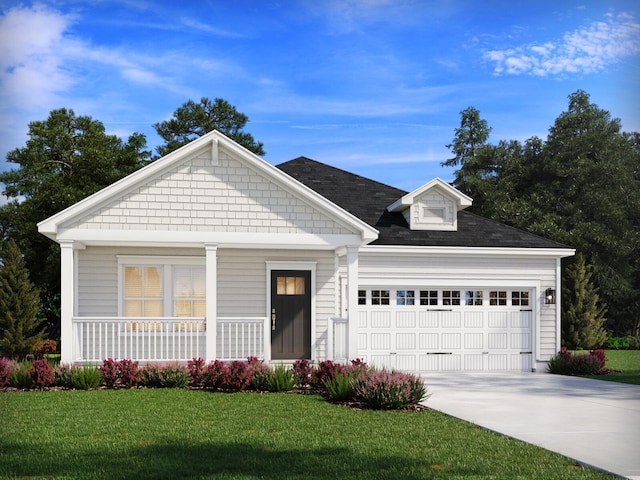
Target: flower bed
355, 384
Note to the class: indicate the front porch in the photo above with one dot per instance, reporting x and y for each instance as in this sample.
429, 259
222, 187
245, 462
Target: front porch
179, 339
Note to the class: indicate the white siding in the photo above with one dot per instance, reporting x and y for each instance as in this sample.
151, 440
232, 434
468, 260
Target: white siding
197, 196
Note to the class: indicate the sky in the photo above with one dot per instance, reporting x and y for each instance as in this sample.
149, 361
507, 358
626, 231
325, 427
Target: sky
374, 87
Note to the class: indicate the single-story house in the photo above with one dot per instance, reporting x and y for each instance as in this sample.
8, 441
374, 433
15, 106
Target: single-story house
212, 252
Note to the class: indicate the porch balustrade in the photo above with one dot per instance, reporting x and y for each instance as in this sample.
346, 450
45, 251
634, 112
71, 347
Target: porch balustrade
167, 339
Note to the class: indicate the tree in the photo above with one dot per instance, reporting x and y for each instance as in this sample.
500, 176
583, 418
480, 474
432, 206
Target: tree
66, 158
19, 305
192, 120
583, 318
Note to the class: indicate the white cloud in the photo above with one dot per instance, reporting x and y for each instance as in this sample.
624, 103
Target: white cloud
587, 50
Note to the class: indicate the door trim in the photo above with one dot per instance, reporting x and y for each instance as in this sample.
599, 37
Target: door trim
309, 266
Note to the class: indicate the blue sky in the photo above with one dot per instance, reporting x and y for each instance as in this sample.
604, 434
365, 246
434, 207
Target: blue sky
372, 86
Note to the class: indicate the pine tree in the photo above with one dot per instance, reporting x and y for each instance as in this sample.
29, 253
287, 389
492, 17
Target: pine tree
19, 305
583, 316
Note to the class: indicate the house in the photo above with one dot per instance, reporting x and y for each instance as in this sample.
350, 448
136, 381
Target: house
212, 252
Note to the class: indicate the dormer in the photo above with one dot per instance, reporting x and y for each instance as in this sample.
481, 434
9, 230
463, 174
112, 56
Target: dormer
433, 206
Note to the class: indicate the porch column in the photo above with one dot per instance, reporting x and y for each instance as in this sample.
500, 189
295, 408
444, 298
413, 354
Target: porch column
352, 302
211, 263
67, 269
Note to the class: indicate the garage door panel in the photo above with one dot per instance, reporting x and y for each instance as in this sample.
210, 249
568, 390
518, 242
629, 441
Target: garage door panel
497, 341
380, 341
474, 362
406, 319
451, 341
473, 341
450, 319
473, 319
498, 361
429, 319
381, 319
363, 342
521, 362
406, 363
363, 319
498, 319
405, 341
429, 341
521, 341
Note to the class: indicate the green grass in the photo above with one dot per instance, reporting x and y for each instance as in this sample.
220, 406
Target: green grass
137, 434
627, 361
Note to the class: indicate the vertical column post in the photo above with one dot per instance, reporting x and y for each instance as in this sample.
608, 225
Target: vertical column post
352, 302
211, 263
67, 288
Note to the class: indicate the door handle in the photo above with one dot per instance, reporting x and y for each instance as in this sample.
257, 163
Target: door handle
273, 319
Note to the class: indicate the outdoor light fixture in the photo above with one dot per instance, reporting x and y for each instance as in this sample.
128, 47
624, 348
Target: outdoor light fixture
550, 296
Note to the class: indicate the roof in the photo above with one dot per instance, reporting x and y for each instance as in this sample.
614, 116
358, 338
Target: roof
368, 200
462, 201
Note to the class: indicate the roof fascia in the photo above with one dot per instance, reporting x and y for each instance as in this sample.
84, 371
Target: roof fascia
467, 251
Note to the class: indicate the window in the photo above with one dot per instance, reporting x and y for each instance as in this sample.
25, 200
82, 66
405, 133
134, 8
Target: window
498, 298
362, 297
143, 295
189, 291
379, 297
451, 297
405, 297
428, 297
473, 297
290, 286
520, 298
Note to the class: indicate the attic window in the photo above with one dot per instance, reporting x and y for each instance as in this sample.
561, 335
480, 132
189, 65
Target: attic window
433, 214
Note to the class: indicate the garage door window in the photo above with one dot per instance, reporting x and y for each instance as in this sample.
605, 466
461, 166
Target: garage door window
498, 298
379, 297
473, 297
451, 297
428, 297
405, 297
520, 298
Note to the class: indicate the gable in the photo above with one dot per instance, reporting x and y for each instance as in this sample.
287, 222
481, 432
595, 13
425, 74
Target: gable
210, 186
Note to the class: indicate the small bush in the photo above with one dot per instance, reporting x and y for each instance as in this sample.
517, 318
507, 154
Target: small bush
259, 374
326, 371
174, 376
44, 347
302, 373
151, 376
6, 368
123, 373
280, 379
565, 363
41, 374
238, 377
622, 343
340, 388
196, 372
384, 390
85, 377
214, 374
20, 377
62, 376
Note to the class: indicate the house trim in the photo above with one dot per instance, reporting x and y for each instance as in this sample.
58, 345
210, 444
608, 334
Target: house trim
468, 251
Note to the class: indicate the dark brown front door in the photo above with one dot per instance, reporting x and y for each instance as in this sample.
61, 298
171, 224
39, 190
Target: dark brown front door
290, 314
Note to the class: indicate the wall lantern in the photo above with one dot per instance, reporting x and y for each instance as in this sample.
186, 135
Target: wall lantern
550, 296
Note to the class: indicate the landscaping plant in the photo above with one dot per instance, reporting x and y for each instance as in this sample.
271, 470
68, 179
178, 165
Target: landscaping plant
566, 363
280, 379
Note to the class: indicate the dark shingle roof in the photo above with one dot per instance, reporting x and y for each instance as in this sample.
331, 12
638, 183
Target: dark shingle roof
368, 200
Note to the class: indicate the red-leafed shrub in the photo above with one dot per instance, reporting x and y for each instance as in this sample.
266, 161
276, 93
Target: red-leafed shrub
326, 371
566, 363
238, 377
259, 373
196, 372
124, 373
302, 373
41, 374
214, 375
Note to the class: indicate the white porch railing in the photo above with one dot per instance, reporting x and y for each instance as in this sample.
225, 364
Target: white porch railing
338, 335
240, 338
167, 339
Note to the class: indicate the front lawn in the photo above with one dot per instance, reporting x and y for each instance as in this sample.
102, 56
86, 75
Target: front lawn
166, 433
627, 361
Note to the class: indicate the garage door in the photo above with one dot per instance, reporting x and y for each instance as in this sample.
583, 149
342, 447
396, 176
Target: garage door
446, 330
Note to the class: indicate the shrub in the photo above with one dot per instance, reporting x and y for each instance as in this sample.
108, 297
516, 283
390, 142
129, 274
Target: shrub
6, 368
196, 372
280, 379
259, 374
85, 377
123, 373
20, 377
174, 376
622, 343
62, 376
384, 390
41, 374
302, 373
340, 388
214, 375
238, 377
44, 347
151, 376
326, 371
565, 363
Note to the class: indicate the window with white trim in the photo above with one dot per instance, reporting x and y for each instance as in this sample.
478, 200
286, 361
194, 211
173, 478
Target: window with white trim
143, 292
189, 291
380, 297
473, 297
451, 297
498, 298
520, 298
428, 297
362, 297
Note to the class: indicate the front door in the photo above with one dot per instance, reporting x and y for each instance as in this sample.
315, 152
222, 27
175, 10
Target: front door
290, 314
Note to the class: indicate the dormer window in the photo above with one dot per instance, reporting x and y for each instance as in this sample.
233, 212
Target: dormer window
434, 206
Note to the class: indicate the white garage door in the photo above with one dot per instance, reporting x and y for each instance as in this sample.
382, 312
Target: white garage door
446, 330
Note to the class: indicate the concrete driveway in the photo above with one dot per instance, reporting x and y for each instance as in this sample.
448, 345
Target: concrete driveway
594, 422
